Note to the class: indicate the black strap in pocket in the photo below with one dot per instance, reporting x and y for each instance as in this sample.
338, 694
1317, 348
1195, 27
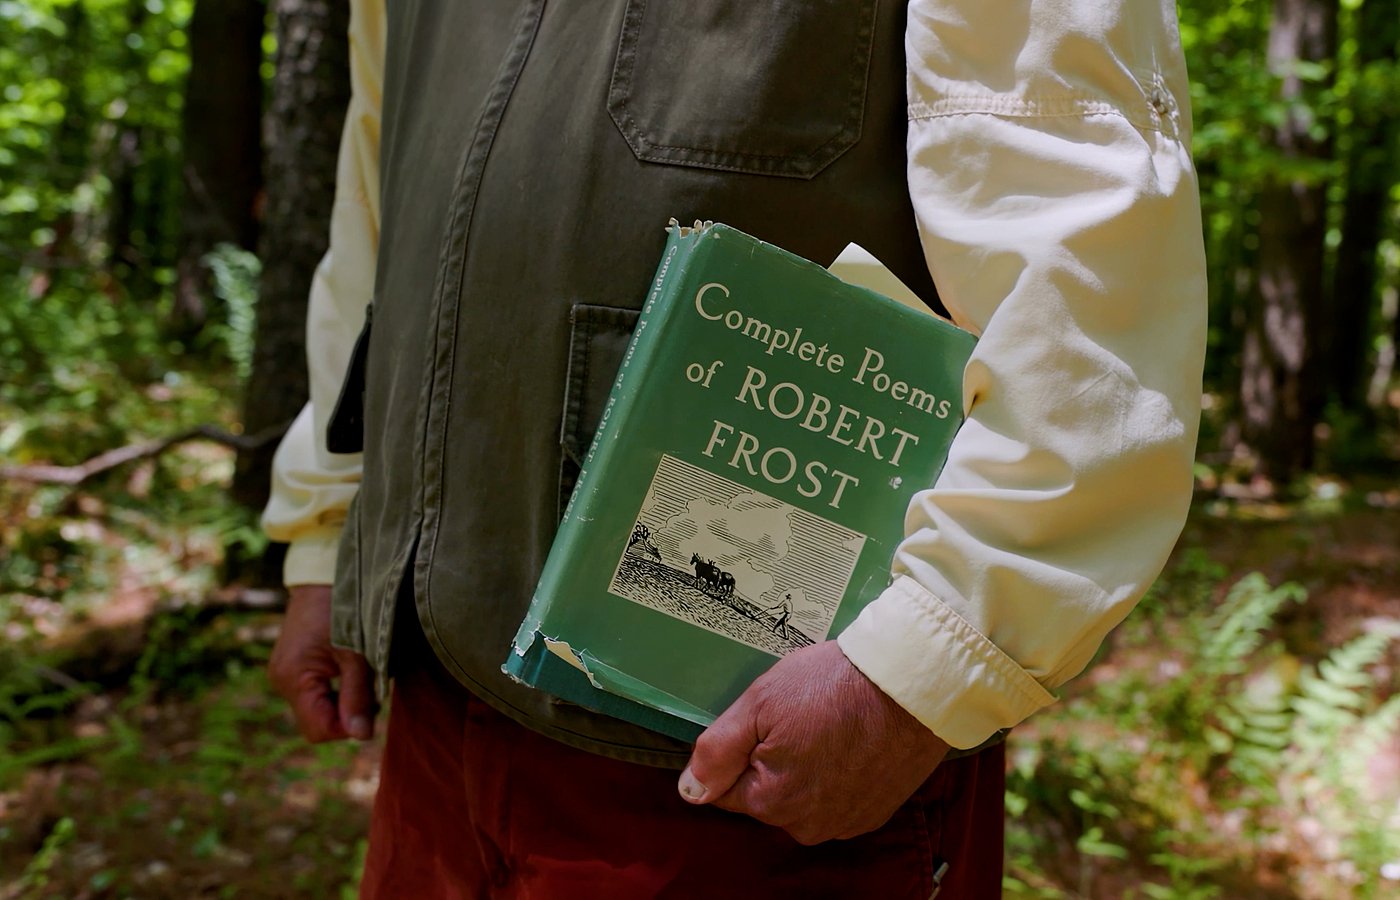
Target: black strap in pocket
345, 432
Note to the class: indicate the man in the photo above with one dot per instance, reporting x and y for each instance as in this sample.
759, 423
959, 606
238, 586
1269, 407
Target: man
782, 611
511, 166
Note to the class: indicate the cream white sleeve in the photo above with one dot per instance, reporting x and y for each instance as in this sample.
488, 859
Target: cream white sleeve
1057, 203
311, 487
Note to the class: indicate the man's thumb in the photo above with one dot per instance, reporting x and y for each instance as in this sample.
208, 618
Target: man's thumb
721, 755
356, 695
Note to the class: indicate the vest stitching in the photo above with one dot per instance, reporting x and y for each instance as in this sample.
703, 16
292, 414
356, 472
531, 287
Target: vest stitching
451, 271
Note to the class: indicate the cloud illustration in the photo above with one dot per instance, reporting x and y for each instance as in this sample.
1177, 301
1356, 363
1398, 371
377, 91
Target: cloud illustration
746, 537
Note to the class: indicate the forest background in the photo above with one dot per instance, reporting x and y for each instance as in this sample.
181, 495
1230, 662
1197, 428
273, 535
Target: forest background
165, 177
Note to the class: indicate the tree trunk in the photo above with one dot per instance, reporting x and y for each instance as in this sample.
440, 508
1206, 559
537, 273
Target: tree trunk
123, 256
72, 141
1371, 170
71, 144
1280, 382
310, 93
221, 135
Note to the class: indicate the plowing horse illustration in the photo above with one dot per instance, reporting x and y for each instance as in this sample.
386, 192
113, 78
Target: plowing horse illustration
710, 577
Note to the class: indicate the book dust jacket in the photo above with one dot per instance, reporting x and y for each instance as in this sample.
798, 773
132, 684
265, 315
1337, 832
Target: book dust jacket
747, 486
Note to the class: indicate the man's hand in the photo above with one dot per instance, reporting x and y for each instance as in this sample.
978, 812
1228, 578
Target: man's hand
306, 670
813, 747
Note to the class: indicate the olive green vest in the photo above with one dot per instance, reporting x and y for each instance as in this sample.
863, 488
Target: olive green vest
531, 155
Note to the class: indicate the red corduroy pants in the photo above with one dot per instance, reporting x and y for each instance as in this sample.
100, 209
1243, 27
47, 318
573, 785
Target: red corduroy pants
473, 805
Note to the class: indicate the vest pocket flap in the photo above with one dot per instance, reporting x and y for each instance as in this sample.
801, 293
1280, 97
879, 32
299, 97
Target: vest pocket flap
770, 88
345, 432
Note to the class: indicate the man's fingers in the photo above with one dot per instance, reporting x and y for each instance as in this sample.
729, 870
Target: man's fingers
314, 707
307, 670
747, 796
356, 695
721, 755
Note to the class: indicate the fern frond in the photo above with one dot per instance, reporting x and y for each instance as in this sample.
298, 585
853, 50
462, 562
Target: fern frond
1346, 666
1337, 690
1378, 728
1237, 628
1330, 708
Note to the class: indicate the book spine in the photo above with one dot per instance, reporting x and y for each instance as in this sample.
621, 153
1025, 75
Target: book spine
641, 351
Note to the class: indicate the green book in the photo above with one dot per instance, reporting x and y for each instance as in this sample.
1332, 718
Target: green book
748, 483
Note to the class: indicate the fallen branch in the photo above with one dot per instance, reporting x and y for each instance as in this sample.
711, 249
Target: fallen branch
111, 459
102, 653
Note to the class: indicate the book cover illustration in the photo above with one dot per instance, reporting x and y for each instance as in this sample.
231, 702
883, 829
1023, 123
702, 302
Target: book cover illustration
747, 485
734, 561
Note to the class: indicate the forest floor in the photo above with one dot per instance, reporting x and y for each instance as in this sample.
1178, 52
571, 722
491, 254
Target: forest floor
1281, 831
143, 755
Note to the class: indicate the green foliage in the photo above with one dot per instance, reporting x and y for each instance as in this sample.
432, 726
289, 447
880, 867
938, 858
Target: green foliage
195, 799
1239, 736
68, 366
236, 273
1330, 699
90, 120
36, 875
1336, 732
350, 890
1194, 768
32, 697
1354, 443
1232, 98
184, 654
92, 88
1236, 103
1238, 627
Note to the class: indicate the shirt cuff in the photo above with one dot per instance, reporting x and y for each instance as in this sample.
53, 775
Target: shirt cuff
311, 557
945, 673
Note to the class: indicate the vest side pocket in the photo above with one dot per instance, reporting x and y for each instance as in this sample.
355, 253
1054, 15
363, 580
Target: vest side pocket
770, 87
597, 343
345, 430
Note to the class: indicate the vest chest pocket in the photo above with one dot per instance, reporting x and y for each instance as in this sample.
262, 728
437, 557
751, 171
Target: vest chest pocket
597, 343
772, 87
